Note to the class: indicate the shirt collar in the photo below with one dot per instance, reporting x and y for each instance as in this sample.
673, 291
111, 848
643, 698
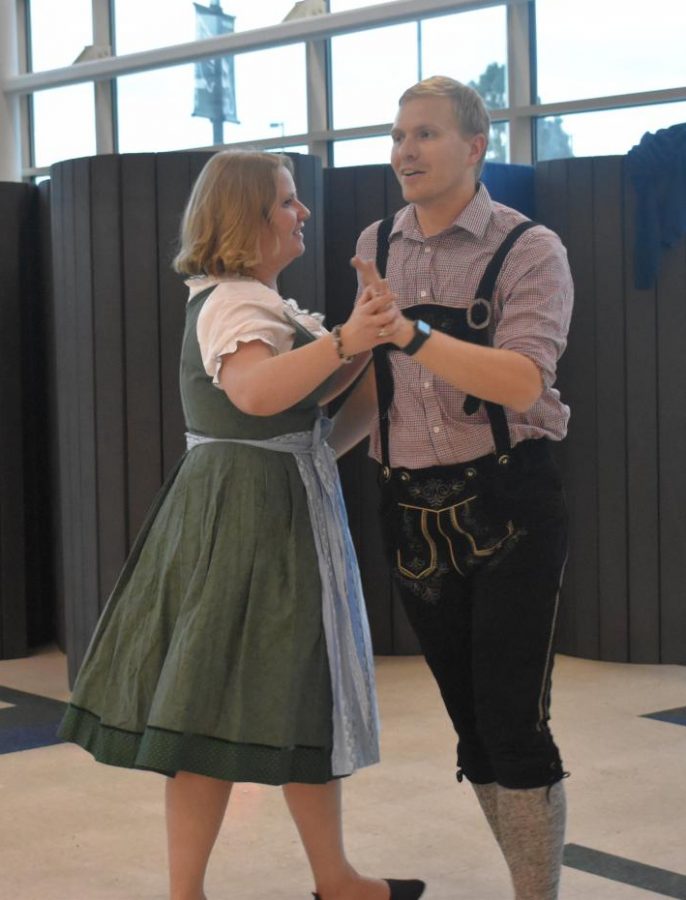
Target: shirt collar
474, 218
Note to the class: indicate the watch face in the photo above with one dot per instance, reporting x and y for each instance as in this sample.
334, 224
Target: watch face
423, 327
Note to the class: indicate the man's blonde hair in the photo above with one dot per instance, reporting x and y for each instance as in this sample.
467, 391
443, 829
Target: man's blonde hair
470, 110
231, 199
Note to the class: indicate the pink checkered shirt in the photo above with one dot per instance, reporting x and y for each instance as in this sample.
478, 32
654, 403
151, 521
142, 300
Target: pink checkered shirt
532, 305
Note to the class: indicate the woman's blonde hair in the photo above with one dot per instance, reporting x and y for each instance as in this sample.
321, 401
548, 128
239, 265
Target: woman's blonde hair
470, 110
231, 199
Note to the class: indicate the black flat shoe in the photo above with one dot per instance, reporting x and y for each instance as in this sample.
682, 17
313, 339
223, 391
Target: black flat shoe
410, 889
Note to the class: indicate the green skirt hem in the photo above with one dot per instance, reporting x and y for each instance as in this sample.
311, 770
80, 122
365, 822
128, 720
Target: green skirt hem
168, 752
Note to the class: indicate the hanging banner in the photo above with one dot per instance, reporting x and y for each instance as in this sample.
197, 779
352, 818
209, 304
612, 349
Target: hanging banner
215, 90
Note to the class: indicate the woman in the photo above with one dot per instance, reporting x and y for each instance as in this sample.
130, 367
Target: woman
235, 645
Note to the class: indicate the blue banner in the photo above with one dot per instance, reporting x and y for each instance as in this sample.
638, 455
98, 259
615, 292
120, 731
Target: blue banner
215, 89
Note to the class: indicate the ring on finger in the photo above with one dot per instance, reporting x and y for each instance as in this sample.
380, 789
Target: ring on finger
382, 333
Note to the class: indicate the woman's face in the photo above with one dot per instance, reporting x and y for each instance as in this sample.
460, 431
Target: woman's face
281, 240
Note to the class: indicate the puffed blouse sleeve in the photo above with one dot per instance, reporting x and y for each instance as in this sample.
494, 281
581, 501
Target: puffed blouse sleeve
238, 312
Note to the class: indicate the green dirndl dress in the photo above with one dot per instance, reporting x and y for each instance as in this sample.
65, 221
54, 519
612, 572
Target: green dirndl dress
210, 654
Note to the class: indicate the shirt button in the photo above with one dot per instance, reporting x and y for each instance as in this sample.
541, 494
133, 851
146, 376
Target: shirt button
422, 293
427, 249
437, 428
427, 385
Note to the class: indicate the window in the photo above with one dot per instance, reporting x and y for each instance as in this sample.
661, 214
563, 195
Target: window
59, 32
603, 133
470, 47
369, 71
362, 151
169, 93
584, 49
63, 124
162, 23
594, 49
499, 143
265, 107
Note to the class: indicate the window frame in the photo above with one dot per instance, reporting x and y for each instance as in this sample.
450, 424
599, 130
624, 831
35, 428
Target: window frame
521, 113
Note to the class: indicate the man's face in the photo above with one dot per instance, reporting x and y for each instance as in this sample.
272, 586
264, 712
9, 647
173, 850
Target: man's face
433, 162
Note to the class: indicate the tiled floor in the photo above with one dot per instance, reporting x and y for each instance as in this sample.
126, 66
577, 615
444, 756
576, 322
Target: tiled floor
71, 829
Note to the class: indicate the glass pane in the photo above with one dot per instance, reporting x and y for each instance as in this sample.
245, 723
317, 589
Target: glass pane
163, 23
499, 143
603, 133
362, 151
72, 20
370, 70
258, 15
470, 47
592, 49
264, 108
54, 139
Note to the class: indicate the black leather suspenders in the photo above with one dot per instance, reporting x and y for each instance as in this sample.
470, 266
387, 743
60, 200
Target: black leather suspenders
469, 324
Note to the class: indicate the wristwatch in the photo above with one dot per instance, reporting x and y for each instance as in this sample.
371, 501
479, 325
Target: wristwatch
422, 332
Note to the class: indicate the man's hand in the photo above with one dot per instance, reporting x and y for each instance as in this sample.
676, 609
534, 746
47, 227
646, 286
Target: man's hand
369, 274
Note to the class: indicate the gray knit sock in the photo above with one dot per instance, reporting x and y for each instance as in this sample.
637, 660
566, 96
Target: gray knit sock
531, 825
487, 795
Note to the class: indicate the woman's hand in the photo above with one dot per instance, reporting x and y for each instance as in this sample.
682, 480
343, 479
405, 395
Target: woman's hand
399, 331
374, 320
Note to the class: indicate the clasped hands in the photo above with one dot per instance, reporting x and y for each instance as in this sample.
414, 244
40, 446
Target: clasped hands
375, 318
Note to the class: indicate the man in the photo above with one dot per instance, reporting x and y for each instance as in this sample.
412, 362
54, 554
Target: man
474, 506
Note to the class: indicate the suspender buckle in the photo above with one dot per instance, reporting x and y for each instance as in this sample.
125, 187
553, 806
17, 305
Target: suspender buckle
479, 314
385, 473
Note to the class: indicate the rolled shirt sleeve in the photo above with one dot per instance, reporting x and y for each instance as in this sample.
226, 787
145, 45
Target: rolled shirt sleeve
535, 302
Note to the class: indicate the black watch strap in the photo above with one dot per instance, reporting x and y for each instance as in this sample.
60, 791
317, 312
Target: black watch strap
422, 332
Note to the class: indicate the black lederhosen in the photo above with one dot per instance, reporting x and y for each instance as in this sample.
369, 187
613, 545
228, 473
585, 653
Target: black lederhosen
478, 551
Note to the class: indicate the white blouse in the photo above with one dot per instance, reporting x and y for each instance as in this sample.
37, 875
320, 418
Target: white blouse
242, 309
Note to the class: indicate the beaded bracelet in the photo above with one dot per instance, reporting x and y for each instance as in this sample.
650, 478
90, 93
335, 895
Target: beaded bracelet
338, 344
